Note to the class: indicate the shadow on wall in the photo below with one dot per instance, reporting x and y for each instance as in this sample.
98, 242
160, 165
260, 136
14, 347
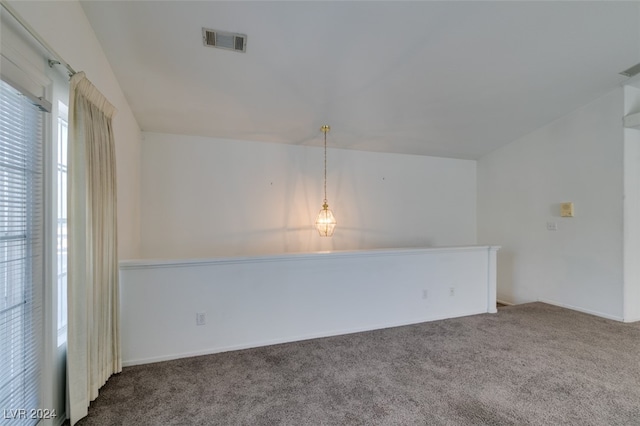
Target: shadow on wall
208, 197
274, 240
505, 263
352, 238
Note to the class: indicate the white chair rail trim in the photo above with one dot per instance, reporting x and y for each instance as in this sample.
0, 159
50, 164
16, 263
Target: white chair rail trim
173, 263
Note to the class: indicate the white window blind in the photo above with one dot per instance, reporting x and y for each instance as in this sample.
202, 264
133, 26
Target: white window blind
21, 256
63, 130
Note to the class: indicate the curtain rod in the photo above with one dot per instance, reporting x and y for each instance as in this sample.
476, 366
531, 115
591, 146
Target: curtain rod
57, 59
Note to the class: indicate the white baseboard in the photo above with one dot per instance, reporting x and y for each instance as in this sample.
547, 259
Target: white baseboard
583, 310
632, 319
504, 302
61, 419
211, 351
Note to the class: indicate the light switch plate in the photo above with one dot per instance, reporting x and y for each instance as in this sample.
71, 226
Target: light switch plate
566, 210
201, 318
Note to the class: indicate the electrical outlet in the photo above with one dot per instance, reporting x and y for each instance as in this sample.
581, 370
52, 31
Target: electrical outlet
452, 291
425, 294
201, 318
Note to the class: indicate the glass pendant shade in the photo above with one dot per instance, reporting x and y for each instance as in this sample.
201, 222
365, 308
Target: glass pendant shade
326, 222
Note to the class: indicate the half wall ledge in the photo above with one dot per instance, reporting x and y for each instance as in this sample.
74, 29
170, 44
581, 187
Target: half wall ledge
251, 301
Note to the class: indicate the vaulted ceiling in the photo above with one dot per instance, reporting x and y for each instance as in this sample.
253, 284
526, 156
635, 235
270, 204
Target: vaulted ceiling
453, 79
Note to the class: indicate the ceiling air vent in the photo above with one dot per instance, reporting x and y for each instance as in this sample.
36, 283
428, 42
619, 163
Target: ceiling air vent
631, 71
224, 40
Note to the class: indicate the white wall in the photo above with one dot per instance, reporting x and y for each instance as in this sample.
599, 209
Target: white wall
577, 158
256, 301
631, 209
66, 29
206, 197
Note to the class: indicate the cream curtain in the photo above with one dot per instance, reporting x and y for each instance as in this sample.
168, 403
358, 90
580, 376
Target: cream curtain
93, 343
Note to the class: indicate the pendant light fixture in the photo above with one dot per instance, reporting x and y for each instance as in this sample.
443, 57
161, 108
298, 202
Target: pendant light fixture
326, 222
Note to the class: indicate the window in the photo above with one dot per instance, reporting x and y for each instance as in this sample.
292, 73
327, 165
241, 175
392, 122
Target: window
33, 317
62, 222
21, 252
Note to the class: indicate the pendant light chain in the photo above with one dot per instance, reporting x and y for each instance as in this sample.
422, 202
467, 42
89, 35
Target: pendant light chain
325, 167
